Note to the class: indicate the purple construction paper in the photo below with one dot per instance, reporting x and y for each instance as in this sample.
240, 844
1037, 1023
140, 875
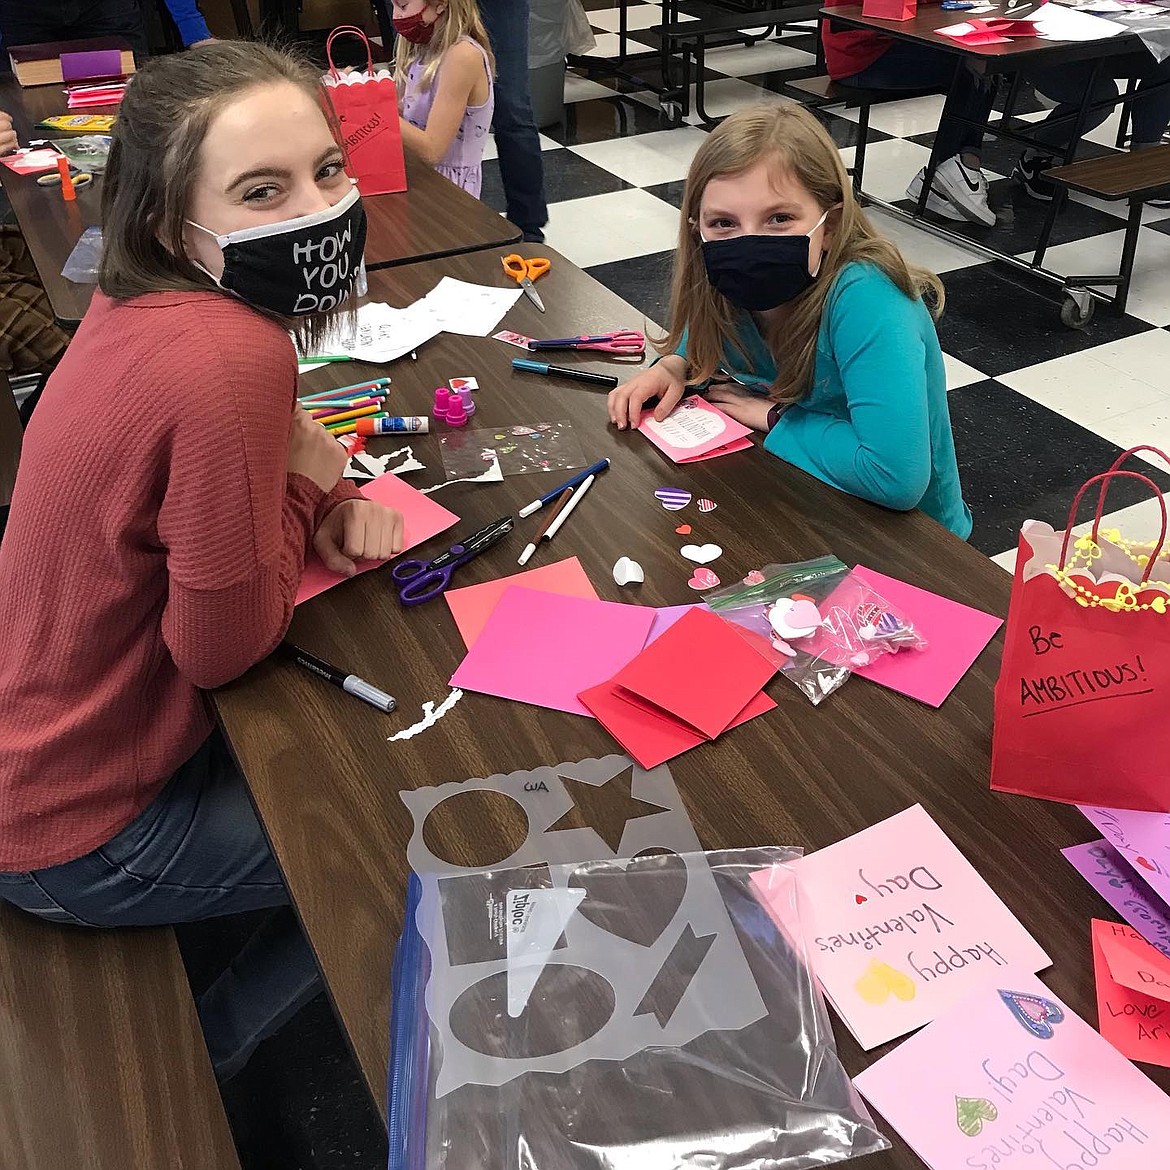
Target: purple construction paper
1142, 839
1107, 872
91, 64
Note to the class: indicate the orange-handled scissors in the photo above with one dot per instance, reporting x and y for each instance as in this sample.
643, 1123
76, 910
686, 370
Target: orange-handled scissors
524, 272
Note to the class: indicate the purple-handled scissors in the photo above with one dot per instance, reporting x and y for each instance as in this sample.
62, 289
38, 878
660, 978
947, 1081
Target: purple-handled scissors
623, 341
419, 581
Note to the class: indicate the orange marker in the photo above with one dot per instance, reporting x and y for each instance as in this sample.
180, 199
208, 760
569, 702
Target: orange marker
347, 415
67, 191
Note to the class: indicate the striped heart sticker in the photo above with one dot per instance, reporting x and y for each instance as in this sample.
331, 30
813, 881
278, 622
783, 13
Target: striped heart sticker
672, 498
707, 505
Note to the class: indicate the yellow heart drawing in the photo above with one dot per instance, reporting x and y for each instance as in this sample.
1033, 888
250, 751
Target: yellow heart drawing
1158, 604
879, 981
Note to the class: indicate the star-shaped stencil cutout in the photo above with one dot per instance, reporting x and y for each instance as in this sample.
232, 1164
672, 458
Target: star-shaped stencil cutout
604, 808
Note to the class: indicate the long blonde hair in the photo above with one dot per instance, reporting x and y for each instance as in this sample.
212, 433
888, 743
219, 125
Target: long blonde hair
792, 141
459, 19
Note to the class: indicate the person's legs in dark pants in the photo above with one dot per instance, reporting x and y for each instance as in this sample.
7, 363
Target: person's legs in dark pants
513, 124
196, 852
959, 190
1151, 108
31, 22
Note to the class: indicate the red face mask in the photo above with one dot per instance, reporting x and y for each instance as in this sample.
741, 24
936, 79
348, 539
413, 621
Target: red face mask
414, 29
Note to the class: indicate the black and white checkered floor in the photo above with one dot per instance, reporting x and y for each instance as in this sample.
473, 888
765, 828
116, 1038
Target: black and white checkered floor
1037, 407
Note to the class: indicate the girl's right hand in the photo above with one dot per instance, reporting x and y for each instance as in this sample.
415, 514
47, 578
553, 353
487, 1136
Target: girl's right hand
313, 452
665, 380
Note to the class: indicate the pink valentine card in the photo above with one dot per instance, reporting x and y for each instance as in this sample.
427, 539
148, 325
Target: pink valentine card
1012, 1078
1136, 1021
899, 925
1142, 838
955, 634
545, 648
422, 517
695, 430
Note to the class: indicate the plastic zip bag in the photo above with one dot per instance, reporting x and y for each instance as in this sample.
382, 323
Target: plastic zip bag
82, 264
516, 981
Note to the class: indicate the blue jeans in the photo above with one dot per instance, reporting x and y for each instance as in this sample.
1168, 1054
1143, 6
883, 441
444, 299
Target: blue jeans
196, 852
909, 65
1066, 84
513, 124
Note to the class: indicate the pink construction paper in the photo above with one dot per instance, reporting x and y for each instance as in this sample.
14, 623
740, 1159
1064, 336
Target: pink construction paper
899, 925
1067, 1102
695, 430
1110, 875
956, 635
472, 605
422, 518
545, 648
1142, 838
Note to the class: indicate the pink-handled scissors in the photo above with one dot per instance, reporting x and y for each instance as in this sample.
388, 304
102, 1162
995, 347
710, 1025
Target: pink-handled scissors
621, 341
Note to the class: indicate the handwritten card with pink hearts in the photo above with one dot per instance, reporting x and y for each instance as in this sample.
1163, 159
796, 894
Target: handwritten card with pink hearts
899, 925
1012, 1078
695, 430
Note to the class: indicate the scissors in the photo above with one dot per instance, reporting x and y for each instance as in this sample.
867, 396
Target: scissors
418, 582
80, 179
524, 272
620, 341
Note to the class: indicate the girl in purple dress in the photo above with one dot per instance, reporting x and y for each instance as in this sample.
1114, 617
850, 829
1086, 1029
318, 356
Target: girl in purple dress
444, 69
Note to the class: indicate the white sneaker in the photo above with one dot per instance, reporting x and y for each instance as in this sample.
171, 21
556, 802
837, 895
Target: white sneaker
966, 189
936, 201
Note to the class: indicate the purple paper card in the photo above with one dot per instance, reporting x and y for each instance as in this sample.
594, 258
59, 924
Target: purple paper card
1142, 839
1107, 872
95, 63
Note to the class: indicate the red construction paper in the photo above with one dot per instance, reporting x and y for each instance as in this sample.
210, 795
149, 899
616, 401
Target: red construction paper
1135, 1023
700, 671
1135, 964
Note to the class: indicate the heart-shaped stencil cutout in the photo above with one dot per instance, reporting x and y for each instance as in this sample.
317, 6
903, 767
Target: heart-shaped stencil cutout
628, 572
703, 579
672, 498
972, 1112
701, 554
637, 910
879, 981
1035, 1013
683, 530
755, 577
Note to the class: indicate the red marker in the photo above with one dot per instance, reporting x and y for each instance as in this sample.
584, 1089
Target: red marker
67, 190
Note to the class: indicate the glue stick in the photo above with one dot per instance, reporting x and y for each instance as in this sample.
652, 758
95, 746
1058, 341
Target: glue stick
68, 193
413, 424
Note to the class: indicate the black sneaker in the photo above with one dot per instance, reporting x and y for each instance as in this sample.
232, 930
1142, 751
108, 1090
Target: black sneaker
1026, 172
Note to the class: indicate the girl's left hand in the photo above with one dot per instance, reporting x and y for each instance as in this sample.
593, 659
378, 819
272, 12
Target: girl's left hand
748, 409
357, 530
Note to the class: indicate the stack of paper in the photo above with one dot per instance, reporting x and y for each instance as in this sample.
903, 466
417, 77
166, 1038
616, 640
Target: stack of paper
899, 926
1012, 1078
1133, 993
691, 683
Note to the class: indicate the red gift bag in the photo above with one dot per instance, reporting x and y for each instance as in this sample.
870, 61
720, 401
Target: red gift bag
1081, 700
366, 105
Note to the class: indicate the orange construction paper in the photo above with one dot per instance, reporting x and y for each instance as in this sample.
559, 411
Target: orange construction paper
1135, 964
1135, 1023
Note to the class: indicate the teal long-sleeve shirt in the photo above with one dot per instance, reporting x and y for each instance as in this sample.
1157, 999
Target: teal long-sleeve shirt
875, 422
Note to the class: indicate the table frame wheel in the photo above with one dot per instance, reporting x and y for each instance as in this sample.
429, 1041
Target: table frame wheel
1078, 308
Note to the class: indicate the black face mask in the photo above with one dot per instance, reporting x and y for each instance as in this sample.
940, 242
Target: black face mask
296, 266
760, 272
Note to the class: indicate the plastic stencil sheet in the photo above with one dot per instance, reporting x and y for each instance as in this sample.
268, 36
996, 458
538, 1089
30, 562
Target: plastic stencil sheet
521, 449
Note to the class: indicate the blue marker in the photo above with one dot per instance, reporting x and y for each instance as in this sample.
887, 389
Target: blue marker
549, 497
563, 372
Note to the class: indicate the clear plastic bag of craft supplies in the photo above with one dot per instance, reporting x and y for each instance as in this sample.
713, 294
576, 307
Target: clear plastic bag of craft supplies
656, 1013
816, 621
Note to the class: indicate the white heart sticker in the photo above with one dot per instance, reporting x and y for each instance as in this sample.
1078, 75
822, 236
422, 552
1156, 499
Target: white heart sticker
628, 572
701, 554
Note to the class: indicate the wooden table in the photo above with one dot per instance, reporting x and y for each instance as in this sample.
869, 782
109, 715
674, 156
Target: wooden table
326, 782
433, 218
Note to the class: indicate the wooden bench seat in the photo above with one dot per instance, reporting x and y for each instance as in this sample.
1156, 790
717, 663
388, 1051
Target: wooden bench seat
102, 1062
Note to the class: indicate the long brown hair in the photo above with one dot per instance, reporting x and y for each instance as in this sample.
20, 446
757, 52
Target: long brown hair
459, 19
154, 157
791, 141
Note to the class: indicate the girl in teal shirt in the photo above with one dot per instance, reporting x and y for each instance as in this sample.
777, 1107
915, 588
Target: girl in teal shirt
799, 320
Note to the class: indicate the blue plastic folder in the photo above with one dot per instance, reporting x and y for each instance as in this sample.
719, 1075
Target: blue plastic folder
409, 1064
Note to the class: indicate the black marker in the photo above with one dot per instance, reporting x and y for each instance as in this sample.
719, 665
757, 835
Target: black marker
563, 372
359, 688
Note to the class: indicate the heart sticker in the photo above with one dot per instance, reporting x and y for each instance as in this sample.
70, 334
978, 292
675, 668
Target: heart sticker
860, 899
683, 530
879, 981
1035, 1013
701, 554
628, 572
703, 579
755, 577
707, 505
672, 499
793, 619
972, 1112
1147, 865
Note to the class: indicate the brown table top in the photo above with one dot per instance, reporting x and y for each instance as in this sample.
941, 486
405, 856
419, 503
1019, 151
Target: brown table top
999, 57
326, 782
432, 218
